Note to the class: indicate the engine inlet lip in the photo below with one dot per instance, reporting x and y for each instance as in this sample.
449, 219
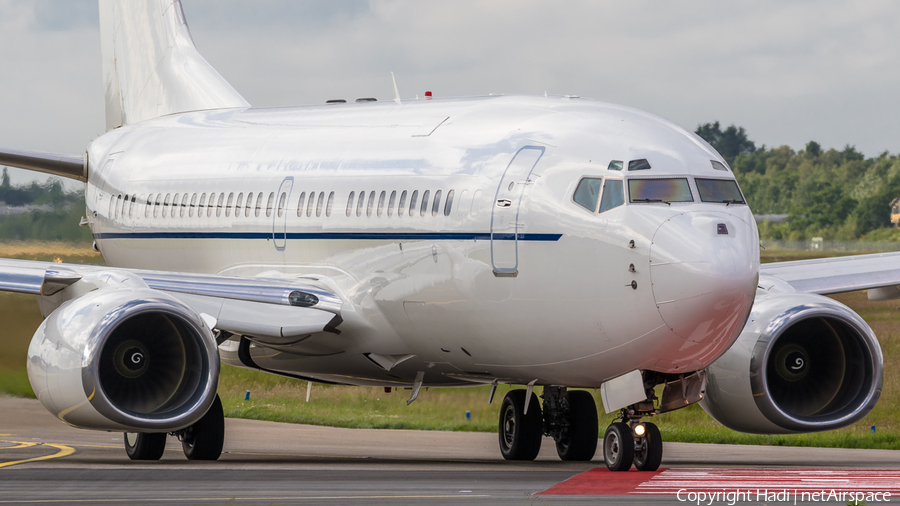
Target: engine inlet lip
759, 361
199, 402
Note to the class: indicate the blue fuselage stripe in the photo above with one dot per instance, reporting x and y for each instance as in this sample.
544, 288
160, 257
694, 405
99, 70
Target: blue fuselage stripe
375, 236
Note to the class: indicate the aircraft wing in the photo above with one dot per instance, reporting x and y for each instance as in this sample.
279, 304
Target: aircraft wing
839, 274
263, 307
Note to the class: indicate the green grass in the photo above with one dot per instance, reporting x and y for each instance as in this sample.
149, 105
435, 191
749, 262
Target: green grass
283, 399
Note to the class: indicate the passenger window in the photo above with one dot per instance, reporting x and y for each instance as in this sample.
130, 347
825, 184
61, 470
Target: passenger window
613, 196
402, 205
371, 204
249, 205
359, 204
310, 203
319, 204
193, 205
615, 165
142, 200
390, 206
156, 205
269, 204
381, 198
300, 204
588, 193
424, 207
219, 205
461, 208
165, 208
131, 207
437, 203
237, 205
174, 213
114, 205
228, 204
449, 204
412, 203
259, 197
476, 202
281, 202
350, 203
183, 204
210, 205
329, 205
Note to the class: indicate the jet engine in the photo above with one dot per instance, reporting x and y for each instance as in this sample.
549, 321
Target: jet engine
124, 359
803, 363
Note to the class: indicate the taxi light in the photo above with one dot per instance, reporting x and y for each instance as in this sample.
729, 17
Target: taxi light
639, 429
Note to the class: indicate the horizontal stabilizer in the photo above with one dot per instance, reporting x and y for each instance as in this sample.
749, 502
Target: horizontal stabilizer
71, 166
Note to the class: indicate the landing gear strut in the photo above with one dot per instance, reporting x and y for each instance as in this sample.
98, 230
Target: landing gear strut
570, 418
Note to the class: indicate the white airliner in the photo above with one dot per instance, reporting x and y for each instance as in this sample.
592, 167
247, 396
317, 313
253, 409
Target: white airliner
530, 240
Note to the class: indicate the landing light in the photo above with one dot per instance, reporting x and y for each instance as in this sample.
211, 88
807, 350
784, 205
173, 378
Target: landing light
639, 429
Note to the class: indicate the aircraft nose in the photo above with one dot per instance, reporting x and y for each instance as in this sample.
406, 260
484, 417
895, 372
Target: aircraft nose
704, 268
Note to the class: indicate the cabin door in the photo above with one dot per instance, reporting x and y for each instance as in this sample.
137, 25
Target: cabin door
505, 215
279, 224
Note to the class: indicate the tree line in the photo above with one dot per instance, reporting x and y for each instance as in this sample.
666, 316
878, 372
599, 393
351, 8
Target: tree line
840, 195
56, 218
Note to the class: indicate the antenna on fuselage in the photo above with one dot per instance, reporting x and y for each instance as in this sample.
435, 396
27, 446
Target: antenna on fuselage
396, 91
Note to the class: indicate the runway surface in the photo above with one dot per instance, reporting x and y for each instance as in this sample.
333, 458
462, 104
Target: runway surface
43, 461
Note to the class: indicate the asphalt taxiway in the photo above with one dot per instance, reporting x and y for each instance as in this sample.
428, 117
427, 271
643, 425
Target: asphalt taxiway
43, 461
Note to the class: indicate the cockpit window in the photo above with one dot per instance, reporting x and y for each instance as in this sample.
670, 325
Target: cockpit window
641, 164
612, 195
718, 165
588, 193
724, 191
659, 190
615, 165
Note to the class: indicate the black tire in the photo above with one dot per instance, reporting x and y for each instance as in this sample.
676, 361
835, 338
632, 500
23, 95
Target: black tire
618, 447
580, 441
204, 439
141, 446
649, 457
520, 434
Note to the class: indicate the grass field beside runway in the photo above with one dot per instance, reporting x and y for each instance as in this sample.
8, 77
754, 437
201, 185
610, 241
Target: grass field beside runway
283, 399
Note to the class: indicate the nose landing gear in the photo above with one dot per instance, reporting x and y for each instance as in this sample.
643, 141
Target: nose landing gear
632, 442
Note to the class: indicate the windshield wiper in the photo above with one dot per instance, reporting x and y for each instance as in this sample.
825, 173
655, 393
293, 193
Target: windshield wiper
731, 201
652, 200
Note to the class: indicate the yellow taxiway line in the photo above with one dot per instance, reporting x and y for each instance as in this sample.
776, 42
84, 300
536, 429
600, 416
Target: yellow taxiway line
63, 452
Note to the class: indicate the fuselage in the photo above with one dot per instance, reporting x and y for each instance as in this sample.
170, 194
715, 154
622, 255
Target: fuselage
450, 227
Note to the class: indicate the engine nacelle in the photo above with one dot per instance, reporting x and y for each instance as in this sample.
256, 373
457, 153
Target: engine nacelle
131, 359
804, 363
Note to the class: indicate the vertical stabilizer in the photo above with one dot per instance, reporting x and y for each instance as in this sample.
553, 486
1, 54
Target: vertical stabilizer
151, 67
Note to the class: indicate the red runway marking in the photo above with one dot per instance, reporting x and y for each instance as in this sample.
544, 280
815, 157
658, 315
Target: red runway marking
601, 481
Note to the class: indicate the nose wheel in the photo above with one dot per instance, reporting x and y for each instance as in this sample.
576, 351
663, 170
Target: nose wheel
639, 444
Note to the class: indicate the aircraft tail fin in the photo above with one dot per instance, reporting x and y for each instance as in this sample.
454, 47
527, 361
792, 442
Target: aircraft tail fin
151, 67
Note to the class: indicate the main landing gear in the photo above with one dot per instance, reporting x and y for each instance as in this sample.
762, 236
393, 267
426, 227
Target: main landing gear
201, 441
570, 418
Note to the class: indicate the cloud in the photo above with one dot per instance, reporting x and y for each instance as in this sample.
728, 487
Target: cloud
789, 72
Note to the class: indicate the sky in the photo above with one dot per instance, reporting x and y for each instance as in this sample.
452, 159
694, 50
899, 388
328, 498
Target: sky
788, 72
